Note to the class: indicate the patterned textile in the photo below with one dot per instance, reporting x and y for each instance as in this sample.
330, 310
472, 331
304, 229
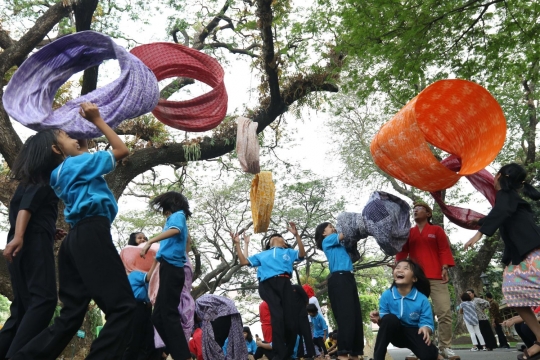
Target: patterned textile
495, 312
30, 93
480, 305
186, 306
469, 312
457, 116
387, 219
352, 226
482, 181
521, 283
209, 308
202, 113
247, 145
262, 196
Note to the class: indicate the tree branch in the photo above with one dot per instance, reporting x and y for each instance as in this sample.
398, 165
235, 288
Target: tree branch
174, 86
234, 50
201, 37
264, 13
5, 40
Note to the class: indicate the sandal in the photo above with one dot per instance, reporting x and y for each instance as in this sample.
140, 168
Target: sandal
526, 356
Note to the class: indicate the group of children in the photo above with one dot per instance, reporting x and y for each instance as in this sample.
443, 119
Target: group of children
51, 165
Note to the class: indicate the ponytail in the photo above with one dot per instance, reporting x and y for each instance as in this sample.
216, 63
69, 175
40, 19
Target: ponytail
513, 178
530, 191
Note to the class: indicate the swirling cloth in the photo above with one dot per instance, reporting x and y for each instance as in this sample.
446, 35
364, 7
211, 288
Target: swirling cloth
209, 308
30, 93
131, 257
456, 116
186, 306
385, 217
262, 196
202, 113
247, 145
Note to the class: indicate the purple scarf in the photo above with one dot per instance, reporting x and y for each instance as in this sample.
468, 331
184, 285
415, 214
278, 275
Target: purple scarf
30, 92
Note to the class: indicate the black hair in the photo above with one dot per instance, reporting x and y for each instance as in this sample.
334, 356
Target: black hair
319, 237
36, 160
172, 202
465, 297
267, 245
249, 337
311, 308
489, 295
133, 238
513, 178
422, 283
471, 290
334, 335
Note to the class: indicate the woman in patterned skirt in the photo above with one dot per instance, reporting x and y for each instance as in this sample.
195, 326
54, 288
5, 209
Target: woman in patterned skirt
514, 218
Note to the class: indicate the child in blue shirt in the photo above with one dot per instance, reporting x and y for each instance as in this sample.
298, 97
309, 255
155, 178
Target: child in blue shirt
274, 270
172, 257
405, 318
89, 265
320, 329
342, 291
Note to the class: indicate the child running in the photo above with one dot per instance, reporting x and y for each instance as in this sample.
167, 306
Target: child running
172, 258
515, 219
275, 267
33, 211
405, 318
89, 265
342, 292
320, 329
468, 309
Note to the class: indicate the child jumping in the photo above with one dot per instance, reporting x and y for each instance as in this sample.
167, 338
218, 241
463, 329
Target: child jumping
342, 292
275, 267
172, 258
320, 329
33, 211
467, 308
88, 263
405, 318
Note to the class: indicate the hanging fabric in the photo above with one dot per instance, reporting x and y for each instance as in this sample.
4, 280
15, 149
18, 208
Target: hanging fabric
247, 145
262, 196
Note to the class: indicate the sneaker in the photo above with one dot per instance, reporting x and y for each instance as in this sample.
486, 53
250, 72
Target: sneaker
474, 349
449, 354
484, 348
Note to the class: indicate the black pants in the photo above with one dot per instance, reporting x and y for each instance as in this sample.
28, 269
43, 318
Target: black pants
166, 317
526, 334
141, 344
278, 294
487, 334
221, 327
319, 342
304, 330
89, 267
345, 303
392, 331
33, 280
500, 334
264, 352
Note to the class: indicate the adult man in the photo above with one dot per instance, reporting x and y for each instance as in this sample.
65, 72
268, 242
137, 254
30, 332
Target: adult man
429, 247
485, 327
497, 320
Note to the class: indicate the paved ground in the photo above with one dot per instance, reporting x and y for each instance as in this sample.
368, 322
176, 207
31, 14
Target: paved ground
497, 354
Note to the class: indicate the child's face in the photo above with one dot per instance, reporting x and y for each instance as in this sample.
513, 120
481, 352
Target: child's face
140, 238
403, 274
66, 145
245, 334
330, 229
312, 314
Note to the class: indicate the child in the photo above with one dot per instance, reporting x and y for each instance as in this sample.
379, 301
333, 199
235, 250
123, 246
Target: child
88, 263
275, 267
342, 292
468, 310
137, 238
515, 219
320, 329
33, 211
250, 342
172, 258
405, 318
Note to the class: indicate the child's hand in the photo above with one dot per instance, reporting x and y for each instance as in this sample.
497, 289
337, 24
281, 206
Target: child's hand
292, 228
90, 112
374, 316
236, 238
426, 332
13, 248
145, 249
246, 238
59, 234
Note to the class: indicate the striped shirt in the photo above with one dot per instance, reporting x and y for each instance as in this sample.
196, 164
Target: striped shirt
469, 312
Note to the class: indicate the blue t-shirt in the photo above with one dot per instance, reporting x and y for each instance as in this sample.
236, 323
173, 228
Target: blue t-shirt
173, 249
251, 346
319, 325
139, 286
275, 261
413, 310
338, 258
79, 182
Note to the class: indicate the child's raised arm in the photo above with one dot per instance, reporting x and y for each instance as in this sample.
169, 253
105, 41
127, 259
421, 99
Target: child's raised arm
294, 231
91, 113
242, 259
164, 235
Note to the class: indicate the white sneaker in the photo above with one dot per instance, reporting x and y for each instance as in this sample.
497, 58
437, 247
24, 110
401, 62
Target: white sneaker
474, 349
449, 354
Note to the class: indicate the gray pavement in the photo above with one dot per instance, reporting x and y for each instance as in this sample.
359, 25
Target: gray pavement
497, 354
